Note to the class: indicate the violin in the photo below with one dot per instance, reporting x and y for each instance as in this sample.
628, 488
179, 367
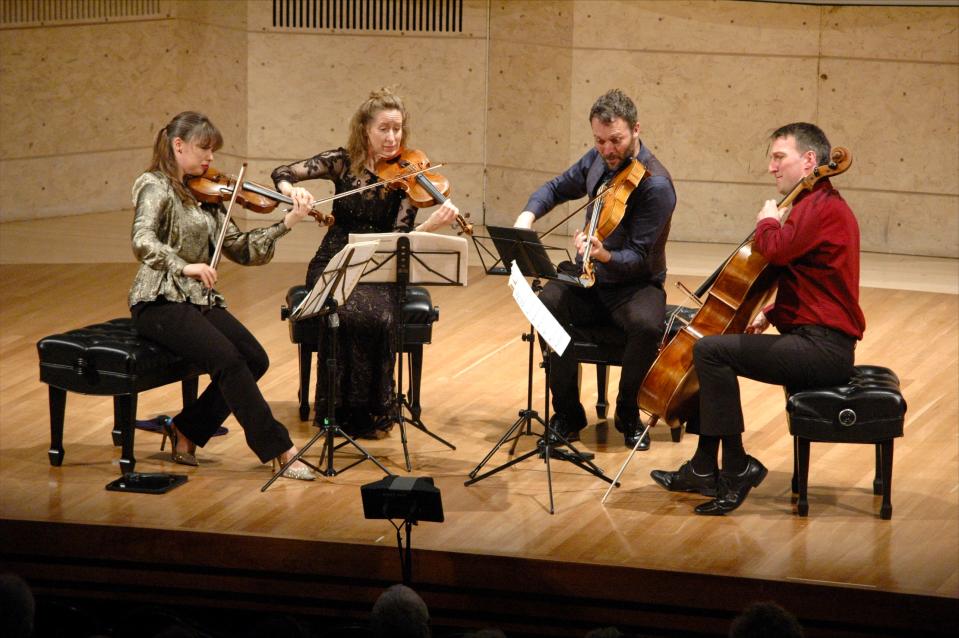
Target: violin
408, 172
735, 293
214, 187
612, 207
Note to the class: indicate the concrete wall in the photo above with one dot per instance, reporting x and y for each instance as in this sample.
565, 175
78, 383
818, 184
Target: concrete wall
503, 104
712, 79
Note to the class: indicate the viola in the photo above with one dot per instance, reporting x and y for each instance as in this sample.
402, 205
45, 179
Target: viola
409, 172
612, 207
214, 187
735, 293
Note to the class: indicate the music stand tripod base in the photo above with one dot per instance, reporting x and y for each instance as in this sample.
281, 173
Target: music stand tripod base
329, 429
400, 402
546, 445
526, 416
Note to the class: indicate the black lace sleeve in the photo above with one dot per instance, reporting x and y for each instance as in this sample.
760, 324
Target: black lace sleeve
326, 165
405, 216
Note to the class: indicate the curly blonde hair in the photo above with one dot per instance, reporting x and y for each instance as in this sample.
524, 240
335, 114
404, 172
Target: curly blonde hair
358, 146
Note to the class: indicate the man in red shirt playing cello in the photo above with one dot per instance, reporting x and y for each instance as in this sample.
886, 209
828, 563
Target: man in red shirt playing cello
816, 311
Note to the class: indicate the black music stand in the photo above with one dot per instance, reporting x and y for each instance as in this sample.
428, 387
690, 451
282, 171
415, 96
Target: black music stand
330, 291
508, 243
522, 248
442, 264
403, 497
522, 245
503, 238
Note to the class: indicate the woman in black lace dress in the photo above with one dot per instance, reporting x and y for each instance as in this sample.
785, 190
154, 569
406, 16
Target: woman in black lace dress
366, 349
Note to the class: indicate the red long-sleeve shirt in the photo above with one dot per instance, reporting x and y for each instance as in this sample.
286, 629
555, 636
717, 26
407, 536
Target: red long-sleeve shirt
817, 250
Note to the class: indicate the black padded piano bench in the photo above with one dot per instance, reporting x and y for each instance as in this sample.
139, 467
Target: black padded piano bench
604, 345
108, 359
418, 316
869, 408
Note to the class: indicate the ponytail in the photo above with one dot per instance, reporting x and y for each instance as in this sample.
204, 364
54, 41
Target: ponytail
189, 126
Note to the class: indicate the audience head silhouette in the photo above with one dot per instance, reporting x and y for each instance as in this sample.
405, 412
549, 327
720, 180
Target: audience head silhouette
16, 607
399, 612
767, 619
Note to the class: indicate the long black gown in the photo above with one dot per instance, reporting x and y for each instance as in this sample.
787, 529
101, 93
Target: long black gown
366, 349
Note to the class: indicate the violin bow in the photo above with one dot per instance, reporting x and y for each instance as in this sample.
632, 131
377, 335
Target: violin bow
226, 220
218, 250
376, 184
565, 219
266, 192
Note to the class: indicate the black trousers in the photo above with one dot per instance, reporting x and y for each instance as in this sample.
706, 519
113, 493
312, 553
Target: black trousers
638, 310
807, 357
221, 346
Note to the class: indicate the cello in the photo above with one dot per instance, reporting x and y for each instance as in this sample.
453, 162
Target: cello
734, 295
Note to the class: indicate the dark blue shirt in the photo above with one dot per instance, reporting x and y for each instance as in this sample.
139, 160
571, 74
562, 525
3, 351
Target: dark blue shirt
638, 244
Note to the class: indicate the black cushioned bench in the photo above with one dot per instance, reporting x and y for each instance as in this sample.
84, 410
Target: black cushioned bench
869, 408
418, 315
108, 359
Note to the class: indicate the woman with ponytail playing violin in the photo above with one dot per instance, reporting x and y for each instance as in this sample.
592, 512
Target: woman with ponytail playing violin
378, 130
816, 311
173, 302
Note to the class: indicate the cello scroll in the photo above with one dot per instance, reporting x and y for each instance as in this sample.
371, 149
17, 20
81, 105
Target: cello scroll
840, 159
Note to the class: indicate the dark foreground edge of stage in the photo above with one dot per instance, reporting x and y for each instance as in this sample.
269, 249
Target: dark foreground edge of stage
518, 595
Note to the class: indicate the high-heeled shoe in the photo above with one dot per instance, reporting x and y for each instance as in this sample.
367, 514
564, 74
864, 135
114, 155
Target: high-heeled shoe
183, 458
301, 473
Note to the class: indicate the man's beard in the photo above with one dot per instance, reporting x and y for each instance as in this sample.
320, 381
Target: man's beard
630, 152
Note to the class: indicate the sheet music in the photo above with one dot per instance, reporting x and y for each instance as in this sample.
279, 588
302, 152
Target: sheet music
542, 319
435, 259
313, 303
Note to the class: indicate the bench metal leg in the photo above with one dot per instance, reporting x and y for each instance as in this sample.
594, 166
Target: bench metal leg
415, 360
124, 415
802, 505
117, 433
795, 481
58, 405
885, 511
877, 479
677, 433
602, 378
305, 355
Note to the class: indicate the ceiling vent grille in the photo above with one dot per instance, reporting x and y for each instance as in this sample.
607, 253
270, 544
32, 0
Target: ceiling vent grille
370, 15
41, 13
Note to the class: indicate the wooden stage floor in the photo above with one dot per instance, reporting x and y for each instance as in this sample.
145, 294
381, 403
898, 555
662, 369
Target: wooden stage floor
642, 561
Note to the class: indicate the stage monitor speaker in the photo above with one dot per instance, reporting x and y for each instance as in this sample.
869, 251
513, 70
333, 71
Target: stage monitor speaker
407, 498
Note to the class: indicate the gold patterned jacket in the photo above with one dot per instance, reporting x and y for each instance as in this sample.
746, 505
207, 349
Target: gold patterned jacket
168, 235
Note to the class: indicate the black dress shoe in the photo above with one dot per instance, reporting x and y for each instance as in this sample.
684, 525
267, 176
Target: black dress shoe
630, 438
685, 479
732, 489
560, 424
631, 427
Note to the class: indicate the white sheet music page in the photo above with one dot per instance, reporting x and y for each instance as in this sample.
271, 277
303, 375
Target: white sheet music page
313, 302
542, 319
435, 259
